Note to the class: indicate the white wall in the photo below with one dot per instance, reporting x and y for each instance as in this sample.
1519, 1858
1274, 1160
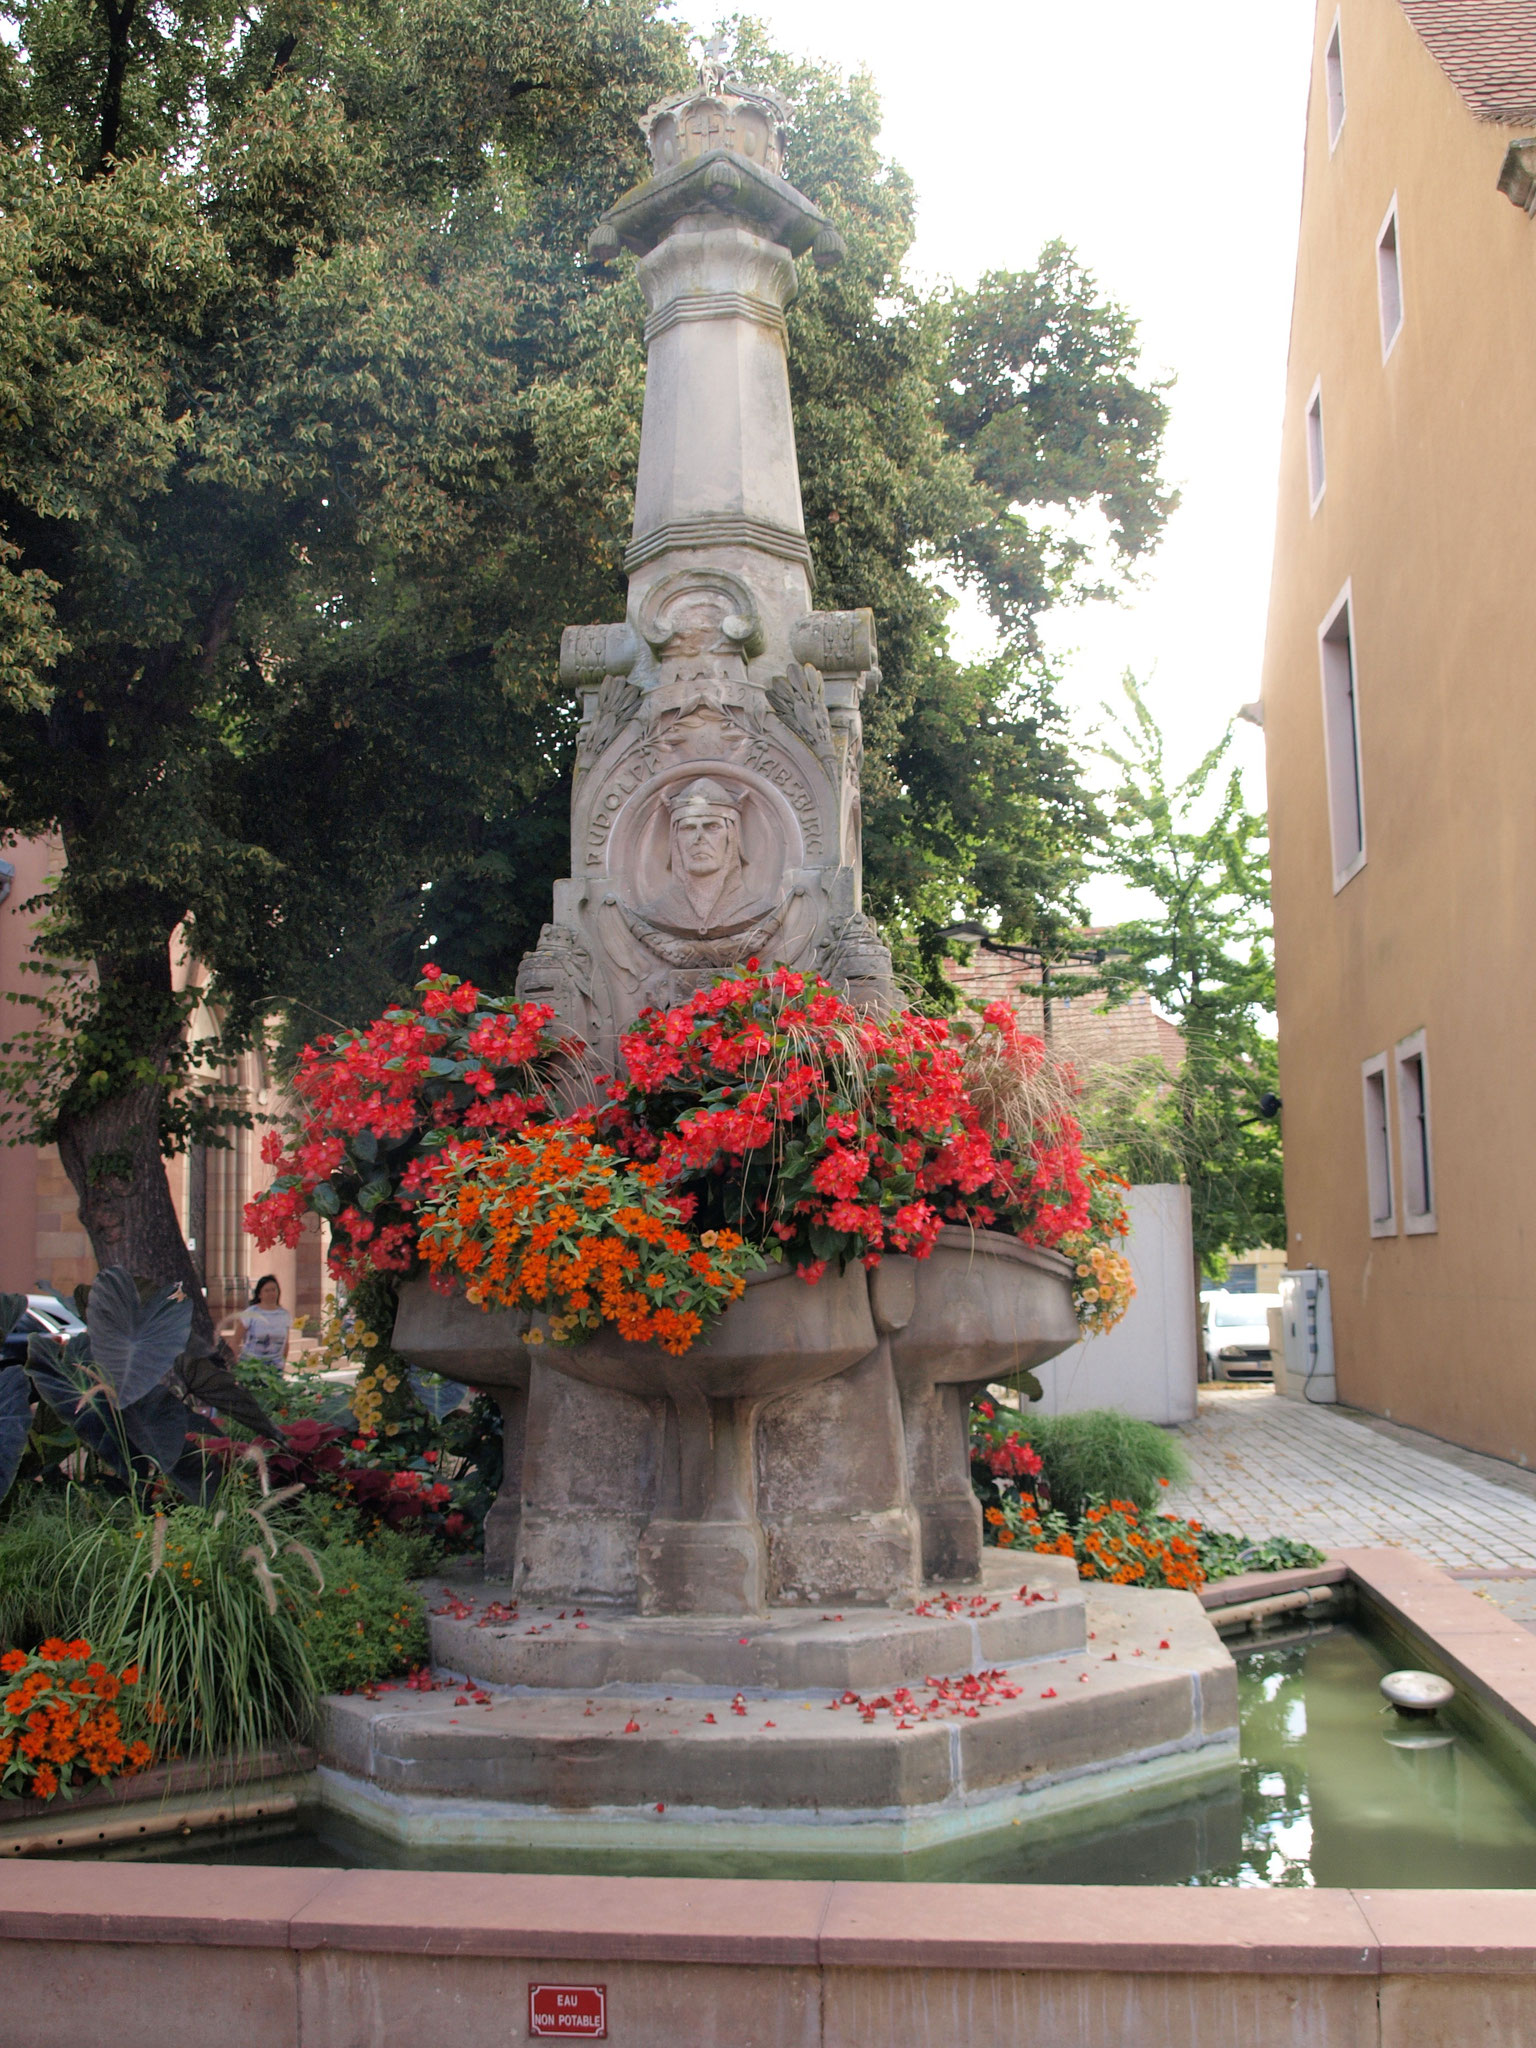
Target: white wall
1148, 1364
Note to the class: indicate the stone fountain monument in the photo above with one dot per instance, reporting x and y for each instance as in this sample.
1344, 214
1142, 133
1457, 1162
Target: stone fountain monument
774, 1510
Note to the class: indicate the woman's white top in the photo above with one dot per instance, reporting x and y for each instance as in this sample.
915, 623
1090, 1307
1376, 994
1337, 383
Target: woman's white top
266, 1334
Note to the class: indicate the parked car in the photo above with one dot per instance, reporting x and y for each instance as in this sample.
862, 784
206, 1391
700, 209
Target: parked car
45, 1315
1237, 1334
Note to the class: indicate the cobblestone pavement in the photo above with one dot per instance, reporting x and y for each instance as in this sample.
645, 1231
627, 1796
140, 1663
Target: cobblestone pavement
1267, 1466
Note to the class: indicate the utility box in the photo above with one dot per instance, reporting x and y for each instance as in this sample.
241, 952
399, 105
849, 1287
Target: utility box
1148, 1364
1306, 1315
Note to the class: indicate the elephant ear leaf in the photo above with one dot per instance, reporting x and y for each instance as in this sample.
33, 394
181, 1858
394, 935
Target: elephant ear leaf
135, 1344
156, 1425
12, 1308
438, 1396
212, 1385
59, 1380
15, 1422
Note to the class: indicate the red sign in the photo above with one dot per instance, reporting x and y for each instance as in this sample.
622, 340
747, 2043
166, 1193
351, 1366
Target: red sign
572, 2011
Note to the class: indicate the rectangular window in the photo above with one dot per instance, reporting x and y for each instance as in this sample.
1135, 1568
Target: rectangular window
1378, 1147
1317, 469
1389, 281
1412, 1064
1341, 741
1333, 74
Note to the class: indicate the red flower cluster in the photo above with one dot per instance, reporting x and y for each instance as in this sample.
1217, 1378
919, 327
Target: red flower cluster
376, 1100
788, 1114
58, 1721
397, 1497
1012, 1458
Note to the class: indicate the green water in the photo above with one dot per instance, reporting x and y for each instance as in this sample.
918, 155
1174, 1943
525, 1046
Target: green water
1331, 1790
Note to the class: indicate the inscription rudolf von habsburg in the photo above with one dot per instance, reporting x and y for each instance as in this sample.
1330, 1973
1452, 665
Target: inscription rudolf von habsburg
574, 2012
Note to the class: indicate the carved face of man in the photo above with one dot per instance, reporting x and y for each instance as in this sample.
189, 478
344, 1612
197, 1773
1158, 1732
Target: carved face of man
705, 841
706, 845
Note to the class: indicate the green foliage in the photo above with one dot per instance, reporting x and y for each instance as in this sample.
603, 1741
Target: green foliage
1040, 392
1205, 956
122, 1390
1104, 1454
33, 1534
223, 1609
1224, 1556
368, 1623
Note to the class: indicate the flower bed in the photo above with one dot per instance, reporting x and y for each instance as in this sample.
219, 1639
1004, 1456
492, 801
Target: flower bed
60, 1724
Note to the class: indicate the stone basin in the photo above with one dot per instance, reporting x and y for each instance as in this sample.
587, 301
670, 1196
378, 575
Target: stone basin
447, 1334
705, 1552
701, 1547
981, 1308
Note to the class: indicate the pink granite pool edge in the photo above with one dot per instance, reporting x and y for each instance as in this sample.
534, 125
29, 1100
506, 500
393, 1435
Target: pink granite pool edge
149, 1956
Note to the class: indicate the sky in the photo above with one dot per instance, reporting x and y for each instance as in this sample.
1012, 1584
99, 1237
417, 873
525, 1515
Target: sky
1164, 143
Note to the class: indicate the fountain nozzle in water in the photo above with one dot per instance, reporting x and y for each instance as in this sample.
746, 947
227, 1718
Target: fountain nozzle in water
1415, 1693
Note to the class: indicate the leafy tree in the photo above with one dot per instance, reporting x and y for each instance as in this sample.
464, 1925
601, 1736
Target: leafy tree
1205, 956
317, 427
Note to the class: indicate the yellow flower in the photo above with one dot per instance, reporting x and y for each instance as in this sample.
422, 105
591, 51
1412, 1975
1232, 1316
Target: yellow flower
370, 1338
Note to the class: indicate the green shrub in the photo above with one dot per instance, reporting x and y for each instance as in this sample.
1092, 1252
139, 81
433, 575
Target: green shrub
1104, 1455
239, 1615
368, 1622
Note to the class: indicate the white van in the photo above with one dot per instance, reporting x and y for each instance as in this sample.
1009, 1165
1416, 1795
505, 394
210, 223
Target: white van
1237, 1334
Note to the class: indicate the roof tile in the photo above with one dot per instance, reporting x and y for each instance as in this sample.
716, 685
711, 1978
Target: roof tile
1487, 49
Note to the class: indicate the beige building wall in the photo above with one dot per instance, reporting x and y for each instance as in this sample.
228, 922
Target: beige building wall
1424, 518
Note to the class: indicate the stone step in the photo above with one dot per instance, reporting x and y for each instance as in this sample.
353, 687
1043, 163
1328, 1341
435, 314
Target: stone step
484, 1633
1154, 1681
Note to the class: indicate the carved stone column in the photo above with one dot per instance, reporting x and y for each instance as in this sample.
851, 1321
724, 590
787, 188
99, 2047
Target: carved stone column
715, 808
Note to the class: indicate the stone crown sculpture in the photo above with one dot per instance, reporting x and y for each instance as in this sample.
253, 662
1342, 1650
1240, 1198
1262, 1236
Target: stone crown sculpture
715, 811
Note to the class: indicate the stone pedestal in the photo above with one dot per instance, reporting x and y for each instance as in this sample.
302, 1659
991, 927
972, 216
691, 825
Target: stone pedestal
832, 1492
715, 805
833, 1733
591, 1472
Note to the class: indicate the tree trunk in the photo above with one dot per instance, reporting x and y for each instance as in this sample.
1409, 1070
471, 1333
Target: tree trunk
110, 1147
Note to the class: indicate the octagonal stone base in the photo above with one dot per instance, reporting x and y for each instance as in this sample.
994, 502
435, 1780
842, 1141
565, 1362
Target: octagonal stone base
782, 1732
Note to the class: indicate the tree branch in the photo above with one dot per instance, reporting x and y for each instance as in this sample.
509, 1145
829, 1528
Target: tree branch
119, 20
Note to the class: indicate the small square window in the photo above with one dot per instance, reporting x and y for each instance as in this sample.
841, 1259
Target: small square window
1389, 281
1317, 468
1412, 1063
1333, 78
1378, 1147
1341, 741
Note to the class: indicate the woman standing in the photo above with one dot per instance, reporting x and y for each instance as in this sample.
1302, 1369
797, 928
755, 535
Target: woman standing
263, 1331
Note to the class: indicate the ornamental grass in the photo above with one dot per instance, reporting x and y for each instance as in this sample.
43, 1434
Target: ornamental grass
198, 1595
